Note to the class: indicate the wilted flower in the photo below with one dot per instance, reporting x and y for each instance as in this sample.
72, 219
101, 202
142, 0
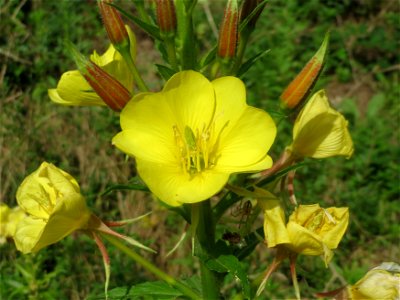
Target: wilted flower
188, 138
73, 89
382, 282
320, 131
54, 206
311, 230
9, 218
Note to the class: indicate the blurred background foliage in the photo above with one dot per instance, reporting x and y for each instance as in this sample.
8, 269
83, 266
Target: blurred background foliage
361, 78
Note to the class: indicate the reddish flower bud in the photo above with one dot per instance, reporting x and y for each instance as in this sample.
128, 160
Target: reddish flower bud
166, 16
109, 89
298, 89
247, 8
113, 23
229, 31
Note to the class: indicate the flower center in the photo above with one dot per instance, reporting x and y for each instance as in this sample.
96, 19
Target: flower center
194, 149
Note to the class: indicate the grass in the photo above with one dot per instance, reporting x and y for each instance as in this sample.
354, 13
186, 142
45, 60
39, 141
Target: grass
361, 78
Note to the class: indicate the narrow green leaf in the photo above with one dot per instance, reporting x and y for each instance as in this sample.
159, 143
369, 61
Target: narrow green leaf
157, 289
230, 264
152, 30
208, 58
165, 71
250, 62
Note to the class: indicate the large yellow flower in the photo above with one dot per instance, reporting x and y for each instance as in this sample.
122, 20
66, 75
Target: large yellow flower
73, 89
54, 206
320, 131
311, 230
188, 138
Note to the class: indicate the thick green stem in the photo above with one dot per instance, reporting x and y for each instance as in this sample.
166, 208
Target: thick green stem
186, 36
136, 76
187, 291
205, 233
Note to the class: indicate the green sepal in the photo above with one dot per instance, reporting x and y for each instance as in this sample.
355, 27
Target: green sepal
250, 62
165, 71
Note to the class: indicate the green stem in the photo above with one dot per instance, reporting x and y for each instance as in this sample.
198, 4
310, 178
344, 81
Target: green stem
138, 79
186, 35
170, 45
244, 38
205, 234
152, 268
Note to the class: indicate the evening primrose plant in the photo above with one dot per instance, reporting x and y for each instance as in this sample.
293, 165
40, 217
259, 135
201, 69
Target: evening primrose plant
200, 149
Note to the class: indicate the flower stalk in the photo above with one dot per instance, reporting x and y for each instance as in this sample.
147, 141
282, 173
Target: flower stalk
205, 234
187, 291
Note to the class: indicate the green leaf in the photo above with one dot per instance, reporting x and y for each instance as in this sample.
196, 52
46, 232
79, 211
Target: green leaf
154, 290
208, 58
230, 264
375, 105
247, 65
152, 30
165, 71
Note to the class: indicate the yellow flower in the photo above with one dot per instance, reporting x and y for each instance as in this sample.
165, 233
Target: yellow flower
190, 137
9, 219
54, 206
72, 89
311, 230
382, 282
320, 131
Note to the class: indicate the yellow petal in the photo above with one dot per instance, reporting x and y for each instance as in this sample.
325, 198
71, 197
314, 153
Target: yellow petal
145, 134
274, 223
247, 143
28, 233
193, 103
335, 226
174, 187
15, 216
230, 93
320, 131
304, 241
68, 216
72, 89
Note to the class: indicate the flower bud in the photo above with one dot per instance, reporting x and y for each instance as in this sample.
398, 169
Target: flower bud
166, 17
229, 31
298, 89
109, 89
247, 9
114, 25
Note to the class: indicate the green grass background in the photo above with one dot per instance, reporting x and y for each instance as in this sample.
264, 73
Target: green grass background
361, 78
